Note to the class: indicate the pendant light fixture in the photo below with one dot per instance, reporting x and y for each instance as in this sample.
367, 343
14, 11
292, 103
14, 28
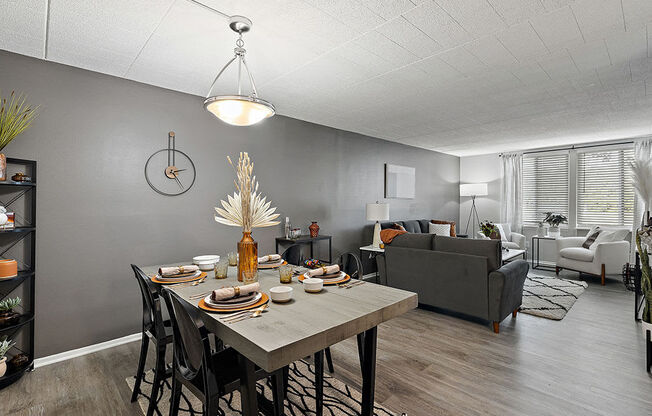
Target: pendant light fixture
240, 109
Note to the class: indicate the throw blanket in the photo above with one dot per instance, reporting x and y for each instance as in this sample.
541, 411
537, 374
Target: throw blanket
324, 270
389, 234
171, 271
270, 257
234, 292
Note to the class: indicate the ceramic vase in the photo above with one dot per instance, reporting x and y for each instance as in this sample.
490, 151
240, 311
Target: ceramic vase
554, 232
3, 167
248, 255
3, 366
314, 229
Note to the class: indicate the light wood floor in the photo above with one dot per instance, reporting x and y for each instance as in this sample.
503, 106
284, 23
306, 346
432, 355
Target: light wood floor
590, 363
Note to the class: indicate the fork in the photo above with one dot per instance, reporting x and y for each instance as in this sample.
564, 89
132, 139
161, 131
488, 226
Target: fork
245, 314
199, 295
255, 314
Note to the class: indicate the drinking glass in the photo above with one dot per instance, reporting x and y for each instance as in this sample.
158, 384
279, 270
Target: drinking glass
285, 273
249, 276
233, 258
221, 269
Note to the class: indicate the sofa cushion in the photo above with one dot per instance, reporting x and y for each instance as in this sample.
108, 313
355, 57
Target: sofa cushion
412, 226
452, 224
424, 225
511, 244
577, 253
413, 240
486, 248
385, 225
440, 229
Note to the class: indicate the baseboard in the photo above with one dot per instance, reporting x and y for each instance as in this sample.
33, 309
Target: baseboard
66, 355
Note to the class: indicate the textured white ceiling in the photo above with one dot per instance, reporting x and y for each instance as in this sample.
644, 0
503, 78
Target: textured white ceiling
458, 76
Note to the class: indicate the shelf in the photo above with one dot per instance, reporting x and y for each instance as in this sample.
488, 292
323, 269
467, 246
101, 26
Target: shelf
13, 376
21, 275
23, 320
12, 183
19, 230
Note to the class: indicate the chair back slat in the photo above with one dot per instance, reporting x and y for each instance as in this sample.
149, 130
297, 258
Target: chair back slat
190, 342
152, 316
351, 265
293, 255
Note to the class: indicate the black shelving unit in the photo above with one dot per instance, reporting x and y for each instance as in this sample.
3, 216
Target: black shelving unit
20, 244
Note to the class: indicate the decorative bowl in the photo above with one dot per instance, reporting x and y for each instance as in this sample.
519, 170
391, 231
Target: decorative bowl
206, 262
281, 294
313, 285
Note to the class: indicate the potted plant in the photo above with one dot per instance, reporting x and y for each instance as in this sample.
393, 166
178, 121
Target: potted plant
554, 220
5, 345
15, 117
488, 228
7, 314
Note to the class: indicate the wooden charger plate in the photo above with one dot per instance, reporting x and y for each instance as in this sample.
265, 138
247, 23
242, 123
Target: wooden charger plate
327, 283
263, 300
190, 279
272, 266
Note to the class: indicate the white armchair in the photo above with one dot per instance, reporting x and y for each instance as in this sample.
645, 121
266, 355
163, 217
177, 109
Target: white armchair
606, 256
510, 239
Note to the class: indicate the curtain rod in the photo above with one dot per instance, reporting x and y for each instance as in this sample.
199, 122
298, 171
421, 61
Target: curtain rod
572, 147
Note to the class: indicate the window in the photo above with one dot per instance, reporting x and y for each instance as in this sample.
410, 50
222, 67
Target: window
545, 185
605, 194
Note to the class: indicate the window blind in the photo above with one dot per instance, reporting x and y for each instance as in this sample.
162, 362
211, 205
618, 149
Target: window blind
605, 195
545, 186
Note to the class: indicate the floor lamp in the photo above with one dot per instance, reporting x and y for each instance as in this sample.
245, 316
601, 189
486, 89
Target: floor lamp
473, 190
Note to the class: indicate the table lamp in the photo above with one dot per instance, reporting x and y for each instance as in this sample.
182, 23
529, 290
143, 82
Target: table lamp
473, 190
377, 212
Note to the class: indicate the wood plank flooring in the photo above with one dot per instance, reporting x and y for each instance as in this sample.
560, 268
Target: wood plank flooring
590, 363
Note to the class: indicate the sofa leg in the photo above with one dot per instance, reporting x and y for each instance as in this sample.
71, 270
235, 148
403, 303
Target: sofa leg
496, 327
557, 269
602, 274
514, 312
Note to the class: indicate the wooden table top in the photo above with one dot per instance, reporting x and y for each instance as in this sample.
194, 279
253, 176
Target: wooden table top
310, 322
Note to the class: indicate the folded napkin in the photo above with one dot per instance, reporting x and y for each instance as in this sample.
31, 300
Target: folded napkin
270, 257
234, 292
171, 271
324, 270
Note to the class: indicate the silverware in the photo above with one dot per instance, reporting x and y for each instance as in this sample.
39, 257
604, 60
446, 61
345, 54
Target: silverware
256, 314
358, 283
199, 295
195, 283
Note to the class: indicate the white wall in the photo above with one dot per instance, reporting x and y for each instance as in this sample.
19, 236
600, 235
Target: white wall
481, 169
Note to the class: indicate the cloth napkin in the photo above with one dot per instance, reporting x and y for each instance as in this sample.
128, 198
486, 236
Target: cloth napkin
171, 271
324, 270
233, 292
270, 257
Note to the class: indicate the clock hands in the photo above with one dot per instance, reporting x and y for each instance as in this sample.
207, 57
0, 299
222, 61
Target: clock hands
178, 181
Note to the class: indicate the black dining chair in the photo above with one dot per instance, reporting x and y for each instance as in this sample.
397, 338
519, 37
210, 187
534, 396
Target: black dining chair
293, 255
350, 264
156, 329
208, 375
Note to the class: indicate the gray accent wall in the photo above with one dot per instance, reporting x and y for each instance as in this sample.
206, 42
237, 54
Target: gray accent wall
96, 213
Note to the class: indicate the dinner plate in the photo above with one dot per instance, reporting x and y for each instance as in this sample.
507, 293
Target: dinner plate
272, 265
238, 305
197, 276
239, 299
262, 301
327, 282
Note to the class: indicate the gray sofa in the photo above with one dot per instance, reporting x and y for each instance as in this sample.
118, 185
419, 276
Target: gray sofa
456, 274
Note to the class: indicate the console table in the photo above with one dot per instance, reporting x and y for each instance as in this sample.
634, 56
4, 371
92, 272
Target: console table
535, 252
306, 239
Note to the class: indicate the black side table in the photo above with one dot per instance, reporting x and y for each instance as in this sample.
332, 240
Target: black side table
535, 252
306, 239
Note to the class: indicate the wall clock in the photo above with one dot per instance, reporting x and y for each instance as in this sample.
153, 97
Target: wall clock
170, 171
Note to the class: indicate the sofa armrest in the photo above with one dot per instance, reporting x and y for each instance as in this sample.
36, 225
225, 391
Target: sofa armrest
506, 289
518, 239
613, 254
565, 242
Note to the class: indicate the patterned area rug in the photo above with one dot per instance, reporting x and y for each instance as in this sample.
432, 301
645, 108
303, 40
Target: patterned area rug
550, 297
339, 399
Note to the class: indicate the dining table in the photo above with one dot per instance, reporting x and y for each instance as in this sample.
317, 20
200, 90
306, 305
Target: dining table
306, 325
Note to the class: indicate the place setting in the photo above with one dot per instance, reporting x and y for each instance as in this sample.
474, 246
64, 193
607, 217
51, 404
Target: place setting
228, 300
173, 275
330, 275
271, 261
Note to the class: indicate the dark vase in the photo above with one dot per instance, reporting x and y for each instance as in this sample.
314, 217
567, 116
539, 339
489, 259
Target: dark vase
314, 229
8, 318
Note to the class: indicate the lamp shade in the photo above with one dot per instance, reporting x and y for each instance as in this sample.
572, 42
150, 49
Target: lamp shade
239, 110
377, 212
473, 189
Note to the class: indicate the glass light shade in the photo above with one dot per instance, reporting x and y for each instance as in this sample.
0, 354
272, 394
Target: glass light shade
239, 110
377, 212
473, 189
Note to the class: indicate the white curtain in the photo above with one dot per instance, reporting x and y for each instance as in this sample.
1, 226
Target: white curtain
642, 151
511, 193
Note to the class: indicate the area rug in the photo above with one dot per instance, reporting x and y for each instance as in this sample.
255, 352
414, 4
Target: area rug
339, 399
550, 297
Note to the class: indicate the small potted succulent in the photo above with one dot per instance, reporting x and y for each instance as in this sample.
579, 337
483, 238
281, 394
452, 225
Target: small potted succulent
5, 346
7, 314
554, 220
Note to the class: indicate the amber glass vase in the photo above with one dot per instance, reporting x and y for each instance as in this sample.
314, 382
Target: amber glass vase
248, 253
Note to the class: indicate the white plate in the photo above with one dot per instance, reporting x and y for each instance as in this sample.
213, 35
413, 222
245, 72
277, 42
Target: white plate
210, 303
174, 279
